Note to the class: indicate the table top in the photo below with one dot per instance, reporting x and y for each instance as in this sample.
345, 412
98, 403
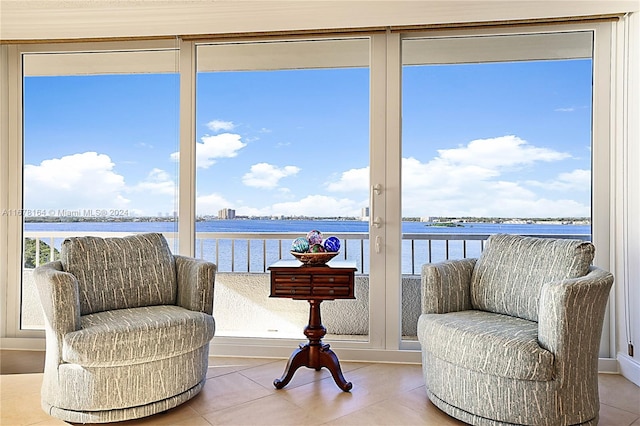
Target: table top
332, 264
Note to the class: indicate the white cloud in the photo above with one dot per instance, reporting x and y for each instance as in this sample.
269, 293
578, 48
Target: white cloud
571, 108
351, 180
318, 205
469, 181
265, 175
210, 204
576, 180
504, 151
218, 125
157, 182
87, 182
224, 145
312, 205
80, 181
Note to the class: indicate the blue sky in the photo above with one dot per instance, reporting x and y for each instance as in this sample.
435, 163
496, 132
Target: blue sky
506, 140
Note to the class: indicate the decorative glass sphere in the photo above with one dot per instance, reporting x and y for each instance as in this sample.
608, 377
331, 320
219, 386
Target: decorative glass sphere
314, 237
300, 245
332, 244
316, 248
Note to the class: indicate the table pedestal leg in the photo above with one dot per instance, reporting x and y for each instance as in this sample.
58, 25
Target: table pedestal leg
314, 354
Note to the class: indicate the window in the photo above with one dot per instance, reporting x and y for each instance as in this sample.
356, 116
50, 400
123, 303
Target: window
98, 145
496, 139
282, 149
302, 129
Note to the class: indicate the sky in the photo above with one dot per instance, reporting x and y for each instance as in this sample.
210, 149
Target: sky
483, 140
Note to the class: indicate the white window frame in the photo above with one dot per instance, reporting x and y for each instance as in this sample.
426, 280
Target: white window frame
385, 62
12, 158
602, 183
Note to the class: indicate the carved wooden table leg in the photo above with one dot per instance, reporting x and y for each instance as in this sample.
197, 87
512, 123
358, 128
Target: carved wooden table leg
314, 354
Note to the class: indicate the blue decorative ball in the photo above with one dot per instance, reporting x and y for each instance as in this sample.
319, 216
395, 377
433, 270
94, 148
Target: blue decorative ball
300, 245
332, 244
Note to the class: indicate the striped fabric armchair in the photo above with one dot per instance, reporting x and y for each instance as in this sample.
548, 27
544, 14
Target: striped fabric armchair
513, 336
128, 327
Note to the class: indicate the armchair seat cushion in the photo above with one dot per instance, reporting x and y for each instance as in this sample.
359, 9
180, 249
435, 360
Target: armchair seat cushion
136, 335
486, 342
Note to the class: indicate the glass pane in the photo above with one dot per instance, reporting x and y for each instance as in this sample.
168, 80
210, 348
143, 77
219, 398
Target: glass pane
282, 149
97, 156
491, 147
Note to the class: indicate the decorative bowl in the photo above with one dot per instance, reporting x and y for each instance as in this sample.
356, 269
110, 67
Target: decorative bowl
314, 258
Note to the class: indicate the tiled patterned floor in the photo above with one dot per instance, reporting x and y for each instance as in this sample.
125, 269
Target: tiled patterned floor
239, 391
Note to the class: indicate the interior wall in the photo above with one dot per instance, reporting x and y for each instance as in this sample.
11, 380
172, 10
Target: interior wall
627, 269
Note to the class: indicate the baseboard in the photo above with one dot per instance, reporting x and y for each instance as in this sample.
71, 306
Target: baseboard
624, 364
344, 354
608, 365
629, 368
22, 343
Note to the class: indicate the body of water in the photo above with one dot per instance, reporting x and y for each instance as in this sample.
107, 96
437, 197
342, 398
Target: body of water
255, 255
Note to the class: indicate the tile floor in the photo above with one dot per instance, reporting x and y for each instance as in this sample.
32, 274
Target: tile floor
239, 391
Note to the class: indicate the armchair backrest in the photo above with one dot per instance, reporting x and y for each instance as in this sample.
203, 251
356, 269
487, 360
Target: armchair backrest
116, 273
512, 269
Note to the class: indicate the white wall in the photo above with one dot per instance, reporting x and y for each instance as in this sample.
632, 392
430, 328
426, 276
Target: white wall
627, 269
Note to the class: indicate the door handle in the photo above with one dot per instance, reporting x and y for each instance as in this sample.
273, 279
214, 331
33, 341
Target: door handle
373, 219
378, 244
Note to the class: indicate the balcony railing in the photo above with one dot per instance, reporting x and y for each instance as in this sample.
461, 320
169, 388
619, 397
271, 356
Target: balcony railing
239, 254
254, 252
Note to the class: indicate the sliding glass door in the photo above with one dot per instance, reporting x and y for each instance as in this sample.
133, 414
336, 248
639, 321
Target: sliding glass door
496, 138
282, 148
409, 147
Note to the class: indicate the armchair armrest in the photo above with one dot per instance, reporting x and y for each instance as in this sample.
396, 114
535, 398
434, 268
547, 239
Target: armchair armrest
570, 318
196, 278
446, 286
60, 299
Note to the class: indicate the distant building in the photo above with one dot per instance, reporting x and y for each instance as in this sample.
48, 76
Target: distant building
365, 213
227, 214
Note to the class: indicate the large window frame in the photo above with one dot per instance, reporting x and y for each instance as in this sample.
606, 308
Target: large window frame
84, 61
385, 62
568, 44
294, 55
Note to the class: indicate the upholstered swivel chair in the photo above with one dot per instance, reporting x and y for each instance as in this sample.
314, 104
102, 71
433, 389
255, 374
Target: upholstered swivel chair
128, 327
512, 337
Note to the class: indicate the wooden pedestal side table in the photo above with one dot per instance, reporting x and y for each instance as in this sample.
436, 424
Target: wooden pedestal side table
294, 280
